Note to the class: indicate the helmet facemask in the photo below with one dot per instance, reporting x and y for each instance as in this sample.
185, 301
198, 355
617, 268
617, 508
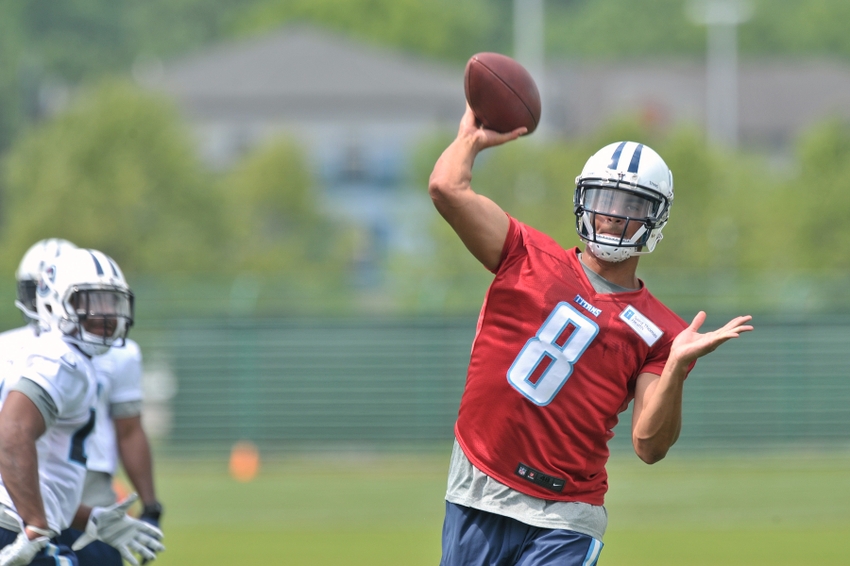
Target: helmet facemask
26, 299
618, 222
97, 317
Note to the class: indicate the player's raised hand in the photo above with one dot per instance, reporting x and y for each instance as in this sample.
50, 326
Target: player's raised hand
482, 137
113, 526
690, 344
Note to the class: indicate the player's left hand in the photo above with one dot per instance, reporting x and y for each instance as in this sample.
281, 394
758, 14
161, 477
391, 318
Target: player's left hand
690, 344
113, 526
22, 550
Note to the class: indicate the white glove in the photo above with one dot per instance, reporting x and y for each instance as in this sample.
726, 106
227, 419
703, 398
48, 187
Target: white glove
113, 526
22, 550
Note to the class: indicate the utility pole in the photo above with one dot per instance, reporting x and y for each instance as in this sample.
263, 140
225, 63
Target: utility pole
529, 45
721, 97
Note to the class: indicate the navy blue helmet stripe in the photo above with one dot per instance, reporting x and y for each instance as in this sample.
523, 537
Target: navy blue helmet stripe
615, 159
633, 166
112, 265
97, 264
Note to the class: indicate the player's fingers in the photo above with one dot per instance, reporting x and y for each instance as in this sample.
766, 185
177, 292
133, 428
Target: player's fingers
738, 321
128, 556
468, 120
127, 502
697, 321
149, 542
142, 550
81, 542
150, 530
737, 331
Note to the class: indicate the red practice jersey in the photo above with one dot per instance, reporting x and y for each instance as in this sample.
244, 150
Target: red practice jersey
553, 364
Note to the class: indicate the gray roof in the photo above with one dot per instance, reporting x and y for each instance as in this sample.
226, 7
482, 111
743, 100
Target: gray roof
777, 100
303, 72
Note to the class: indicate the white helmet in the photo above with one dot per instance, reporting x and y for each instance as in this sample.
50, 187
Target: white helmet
34, 260
628, 183
84, 295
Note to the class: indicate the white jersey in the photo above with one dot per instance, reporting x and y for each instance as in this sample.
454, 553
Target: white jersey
14, 346
67, 376
119, 382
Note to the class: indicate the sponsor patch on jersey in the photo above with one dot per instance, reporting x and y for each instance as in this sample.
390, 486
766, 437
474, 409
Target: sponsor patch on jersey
642, 325
587, 306
539, 478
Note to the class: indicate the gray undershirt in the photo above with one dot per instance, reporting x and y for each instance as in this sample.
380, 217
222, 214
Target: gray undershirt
97, 490
470, 487
125, 409
40, 398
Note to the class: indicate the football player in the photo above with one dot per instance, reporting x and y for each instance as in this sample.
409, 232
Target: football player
48, 410
119, 374
118, 433
566, 339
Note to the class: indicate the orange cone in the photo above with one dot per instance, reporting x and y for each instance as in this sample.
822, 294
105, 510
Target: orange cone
244, 461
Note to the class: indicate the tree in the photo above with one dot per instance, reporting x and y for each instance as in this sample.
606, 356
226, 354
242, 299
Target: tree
278, 232
438, 28
820, 198
116, 172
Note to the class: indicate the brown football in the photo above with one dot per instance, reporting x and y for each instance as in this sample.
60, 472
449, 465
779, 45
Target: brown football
501, 93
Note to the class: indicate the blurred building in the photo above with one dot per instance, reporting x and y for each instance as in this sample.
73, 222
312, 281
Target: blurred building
359, 111
777, 100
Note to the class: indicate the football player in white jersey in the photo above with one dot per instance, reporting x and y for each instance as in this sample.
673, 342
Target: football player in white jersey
48, 397
119, 375
118, 431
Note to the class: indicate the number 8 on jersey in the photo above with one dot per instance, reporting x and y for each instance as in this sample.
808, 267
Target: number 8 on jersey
546, 361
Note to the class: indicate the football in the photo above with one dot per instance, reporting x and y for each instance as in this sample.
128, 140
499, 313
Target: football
501, 93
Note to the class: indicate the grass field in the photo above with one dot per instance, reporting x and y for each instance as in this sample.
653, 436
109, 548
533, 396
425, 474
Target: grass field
788, 509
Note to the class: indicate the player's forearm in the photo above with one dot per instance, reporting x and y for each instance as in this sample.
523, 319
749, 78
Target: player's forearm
19, 469
660, 421
452, 173
135, 452
81, 517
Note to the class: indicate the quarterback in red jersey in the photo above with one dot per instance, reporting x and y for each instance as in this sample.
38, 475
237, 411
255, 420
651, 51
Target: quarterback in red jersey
565, 341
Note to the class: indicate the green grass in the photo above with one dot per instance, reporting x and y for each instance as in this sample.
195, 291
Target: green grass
387, 510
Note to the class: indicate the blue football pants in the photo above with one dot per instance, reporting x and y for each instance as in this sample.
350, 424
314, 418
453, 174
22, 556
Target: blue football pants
478, 538
96, 553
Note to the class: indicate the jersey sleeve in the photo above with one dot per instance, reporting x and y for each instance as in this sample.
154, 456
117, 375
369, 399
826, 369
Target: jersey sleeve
658, 357
513, 243
127, 375
63, 382
40, 398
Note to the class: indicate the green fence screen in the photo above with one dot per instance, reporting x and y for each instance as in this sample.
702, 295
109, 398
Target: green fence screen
325, 384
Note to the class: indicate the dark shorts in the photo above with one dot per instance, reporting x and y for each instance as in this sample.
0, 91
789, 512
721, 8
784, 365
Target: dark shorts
478, 538
95, 553
54, 554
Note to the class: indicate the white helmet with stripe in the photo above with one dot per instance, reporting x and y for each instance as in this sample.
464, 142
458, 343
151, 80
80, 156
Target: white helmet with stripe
83, 294
29, 270
622, 200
